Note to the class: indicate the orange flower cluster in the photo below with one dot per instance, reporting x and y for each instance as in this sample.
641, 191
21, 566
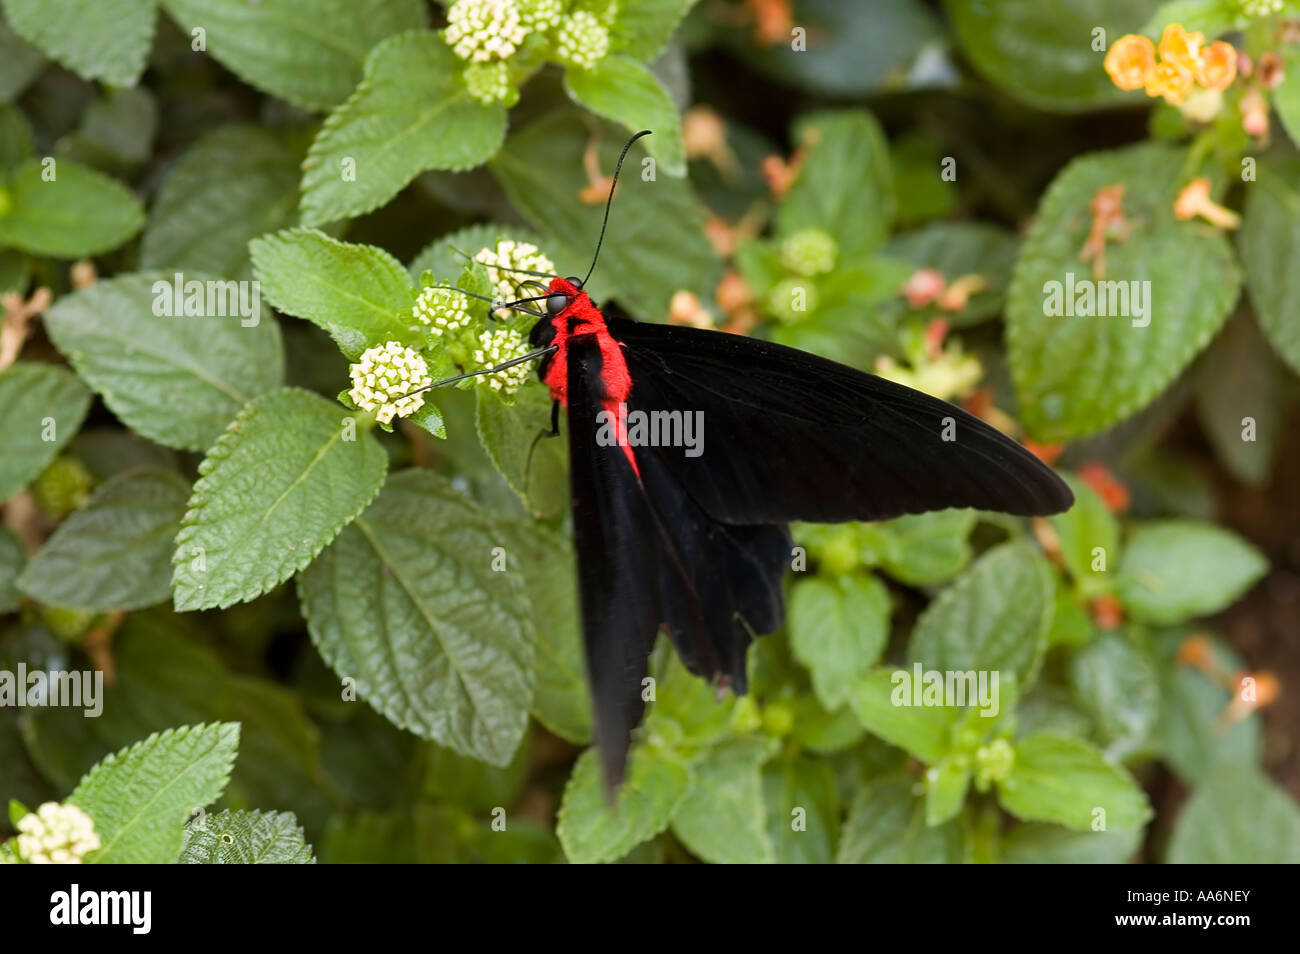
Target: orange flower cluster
1185, 61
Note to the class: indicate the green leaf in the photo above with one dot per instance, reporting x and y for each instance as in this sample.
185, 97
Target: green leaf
117, 131
803, 809
1068, 782
411, 112
232, 185
309, 52
643, 27
79, 213
1084, 529
686, 709
278, 485
994, 617
1036, 843
16, 142
245, 838
1118, 685
1286, 97
13, 556
838, 629
592, 831
360, 294
140, 797
1173, 570
516, 438
886, 825
115, 551
845, 185
1237, 818
625, 91
955, 249
560, 698
927, 547
1270, 241
73, 33
641, 263
924, 731
1043, 53
178, 379
14, 272
1075, 374
41, 407
946, 784
722, 819
406, 602
20, 62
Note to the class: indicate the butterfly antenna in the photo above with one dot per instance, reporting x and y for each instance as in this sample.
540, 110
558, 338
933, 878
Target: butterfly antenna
512, 305
610, 201
531, 356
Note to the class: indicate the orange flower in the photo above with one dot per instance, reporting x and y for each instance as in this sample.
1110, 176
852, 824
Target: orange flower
1171, 82
1195, 200
1106, 485
1179, 48
1129, 60
1217, 67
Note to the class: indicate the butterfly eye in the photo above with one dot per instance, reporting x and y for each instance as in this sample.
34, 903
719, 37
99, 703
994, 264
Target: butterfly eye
557, 303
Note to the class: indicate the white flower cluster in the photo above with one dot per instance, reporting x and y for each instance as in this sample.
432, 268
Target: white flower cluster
1261, 8
383, 376
497, 347
540, 14
441, 309
56, 834
489, 83
511, 254
482, 30
583, 40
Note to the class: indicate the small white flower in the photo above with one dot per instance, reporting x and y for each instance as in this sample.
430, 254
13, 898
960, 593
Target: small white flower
481, 30
56, 834
441, 309
510, 254
384, 378
497, 347
1261, 8
540, 14
583, 40
489, 83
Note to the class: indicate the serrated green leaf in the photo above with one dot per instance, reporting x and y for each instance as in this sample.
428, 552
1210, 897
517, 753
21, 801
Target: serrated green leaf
643, 27
722, 819
232, 185
994, 617
641, 263
1043, 53
1118, 685
1075, 374
79, 213
1089, 536
73, 32
625, 91
1037, 843
560, 699
1174, 570
309, 52
516, 438
13, 556
360, 294
838, 629
177, 379
928, 547
803, 809
886, 825
140, 797
1068, 782
924, 731
845, 185
115, 551
1237, 818
20, 62
592, 831
279, 484
406, 603
41, 407
1270, 242
411, 112
245, 838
